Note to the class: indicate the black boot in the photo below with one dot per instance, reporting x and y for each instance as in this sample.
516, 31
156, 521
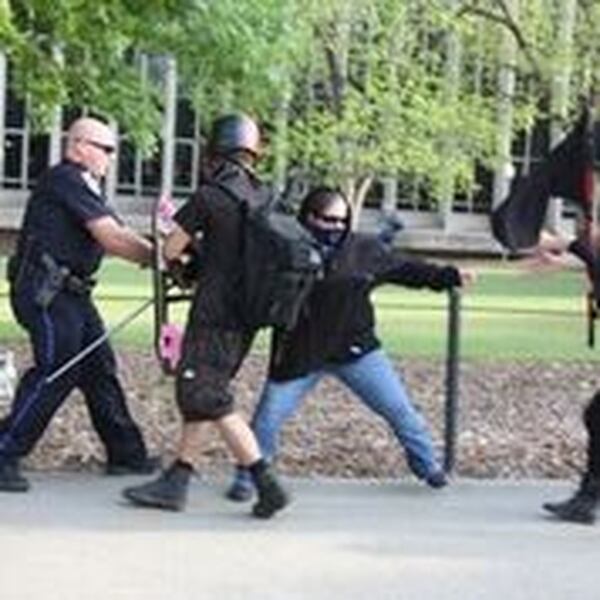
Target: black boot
582, 506
168, 492
11, 479
271, 496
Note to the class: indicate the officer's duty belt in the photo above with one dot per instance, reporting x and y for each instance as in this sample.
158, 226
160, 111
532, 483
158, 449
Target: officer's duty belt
69, 281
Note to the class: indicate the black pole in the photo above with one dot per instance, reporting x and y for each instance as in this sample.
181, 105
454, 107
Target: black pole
452, 360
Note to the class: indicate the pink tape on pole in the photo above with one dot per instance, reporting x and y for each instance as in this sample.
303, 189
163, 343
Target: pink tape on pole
165, 212
171, 337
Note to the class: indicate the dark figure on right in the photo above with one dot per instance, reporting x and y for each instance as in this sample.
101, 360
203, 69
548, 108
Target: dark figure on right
582, 506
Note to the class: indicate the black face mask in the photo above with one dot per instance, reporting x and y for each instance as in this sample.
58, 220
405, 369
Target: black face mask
330, 238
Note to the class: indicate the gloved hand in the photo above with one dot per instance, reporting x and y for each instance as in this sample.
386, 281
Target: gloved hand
184, 271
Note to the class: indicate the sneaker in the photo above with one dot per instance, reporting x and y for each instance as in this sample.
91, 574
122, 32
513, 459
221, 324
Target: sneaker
168, 492
11, 479
271, 496
240, 491
436, 480
144, 466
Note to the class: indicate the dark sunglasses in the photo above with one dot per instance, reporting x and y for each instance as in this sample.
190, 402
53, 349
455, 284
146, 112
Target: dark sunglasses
330, 219
107, 149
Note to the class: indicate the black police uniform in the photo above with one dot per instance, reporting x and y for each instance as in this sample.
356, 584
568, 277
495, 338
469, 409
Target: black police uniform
216, 339
50, 293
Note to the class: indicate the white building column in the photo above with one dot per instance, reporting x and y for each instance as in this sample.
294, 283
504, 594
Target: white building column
506, 87
560, 93
2, 108
111, 176
390, 195
168, 127
452, 84
55, 149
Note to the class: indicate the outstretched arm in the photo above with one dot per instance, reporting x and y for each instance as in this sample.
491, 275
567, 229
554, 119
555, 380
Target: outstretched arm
120, 240
417, 273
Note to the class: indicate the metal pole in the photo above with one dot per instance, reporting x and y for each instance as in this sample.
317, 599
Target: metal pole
452, 361
97, 342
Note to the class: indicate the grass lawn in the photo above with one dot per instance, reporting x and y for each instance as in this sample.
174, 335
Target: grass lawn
508, 314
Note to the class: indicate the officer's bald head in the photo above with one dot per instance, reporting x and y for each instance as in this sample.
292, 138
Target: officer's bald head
91, 142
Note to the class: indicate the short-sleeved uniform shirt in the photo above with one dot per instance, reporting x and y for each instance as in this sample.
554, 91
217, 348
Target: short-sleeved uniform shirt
66, 198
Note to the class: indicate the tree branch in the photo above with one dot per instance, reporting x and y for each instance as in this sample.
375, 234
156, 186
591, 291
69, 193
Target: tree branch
505, 20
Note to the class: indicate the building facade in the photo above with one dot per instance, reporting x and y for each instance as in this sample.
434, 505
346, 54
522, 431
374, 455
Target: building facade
459, 224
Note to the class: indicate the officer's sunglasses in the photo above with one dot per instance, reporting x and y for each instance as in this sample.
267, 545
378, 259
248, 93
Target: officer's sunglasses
106, 148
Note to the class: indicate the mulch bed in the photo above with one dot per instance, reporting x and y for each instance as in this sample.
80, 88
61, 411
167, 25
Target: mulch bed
519, 419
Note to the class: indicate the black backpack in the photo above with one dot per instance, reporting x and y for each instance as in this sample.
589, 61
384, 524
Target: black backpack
280, 262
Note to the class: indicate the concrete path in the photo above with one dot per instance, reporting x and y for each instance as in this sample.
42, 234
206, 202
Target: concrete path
71, 538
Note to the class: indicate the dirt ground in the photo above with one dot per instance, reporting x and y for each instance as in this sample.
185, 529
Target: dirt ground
520, 419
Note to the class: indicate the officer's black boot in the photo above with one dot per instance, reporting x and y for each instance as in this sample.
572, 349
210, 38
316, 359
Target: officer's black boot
11, 479
271, 496
168, 492
582, 506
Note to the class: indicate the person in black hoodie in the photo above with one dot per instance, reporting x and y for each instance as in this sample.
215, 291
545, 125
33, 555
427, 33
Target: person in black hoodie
335, 335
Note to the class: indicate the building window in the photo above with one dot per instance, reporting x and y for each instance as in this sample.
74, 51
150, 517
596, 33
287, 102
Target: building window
26, 154
187, 151
415, 194
478, 199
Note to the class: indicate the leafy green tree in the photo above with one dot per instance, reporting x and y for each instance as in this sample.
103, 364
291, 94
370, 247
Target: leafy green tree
349, 90
82, 53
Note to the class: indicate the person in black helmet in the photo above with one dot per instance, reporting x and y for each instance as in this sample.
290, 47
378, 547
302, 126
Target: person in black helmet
216, 340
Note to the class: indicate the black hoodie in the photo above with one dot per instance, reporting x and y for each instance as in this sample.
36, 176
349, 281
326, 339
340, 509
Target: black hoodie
337, 324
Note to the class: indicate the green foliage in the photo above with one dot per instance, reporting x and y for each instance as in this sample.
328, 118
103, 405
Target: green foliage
82, 53
349, 88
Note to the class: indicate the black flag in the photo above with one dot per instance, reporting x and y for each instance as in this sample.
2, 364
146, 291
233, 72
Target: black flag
566, 173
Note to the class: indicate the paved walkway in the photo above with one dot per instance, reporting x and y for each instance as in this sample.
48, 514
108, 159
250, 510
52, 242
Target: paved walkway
71, 538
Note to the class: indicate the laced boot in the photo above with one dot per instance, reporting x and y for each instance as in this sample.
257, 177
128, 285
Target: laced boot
582, 506
271, 496
169, 491
11, 479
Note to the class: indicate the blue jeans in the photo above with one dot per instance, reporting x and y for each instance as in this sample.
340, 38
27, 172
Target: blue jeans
374, 380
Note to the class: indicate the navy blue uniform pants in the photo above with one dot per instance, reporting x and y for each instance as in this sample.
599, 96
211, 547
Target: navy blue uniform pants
58, 333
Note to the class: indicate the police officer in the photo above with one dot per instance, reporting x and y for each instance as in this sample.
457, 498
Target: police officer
216, 338
66, 230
